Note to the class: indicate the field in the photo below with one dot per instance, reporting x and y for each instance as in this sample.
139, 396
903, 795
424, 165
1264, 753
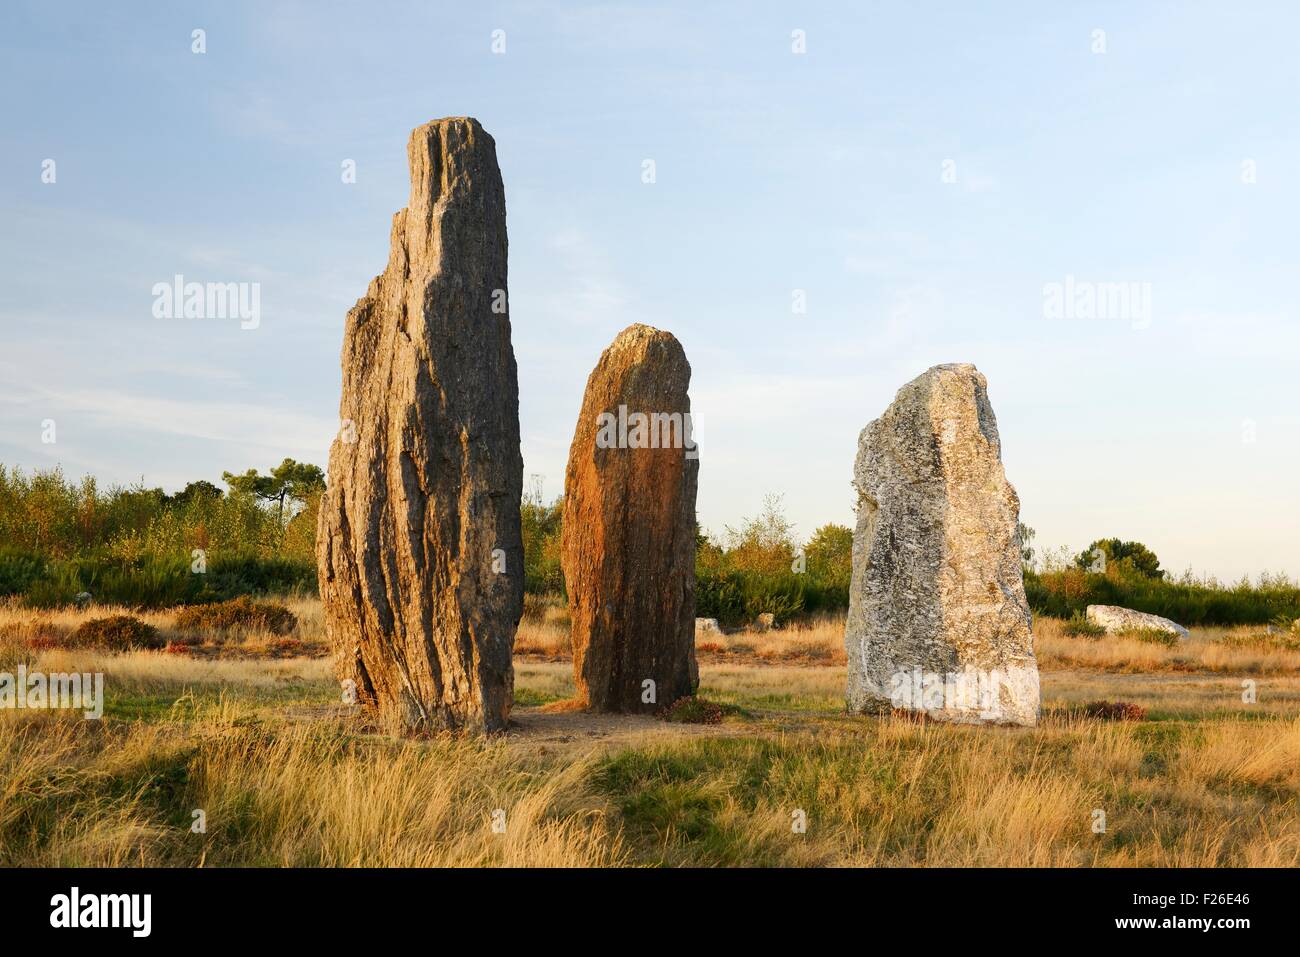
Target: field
249, 729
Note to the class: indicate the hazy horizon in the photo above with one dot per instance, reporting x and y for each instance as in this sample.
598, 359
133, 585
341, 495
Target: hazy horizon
931, 183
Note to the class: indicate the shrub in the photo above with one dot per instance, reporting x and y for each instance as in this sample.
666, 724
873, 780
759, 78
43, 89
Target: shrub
692, 710
540, 527
1078, 626
34, 632
1188, 601
230, 576
1263, 640
241, 612
1153, 636
721, 595
150, 580
781, 596
812, 650
1115, 711
18, 570
287, 647
116, 633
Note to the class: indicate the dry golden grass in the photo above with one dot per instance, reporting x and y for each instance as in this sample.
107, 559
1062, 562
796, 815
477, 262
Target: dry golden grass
1247, 651
817, 642
20, 625
286, 775
1208, 649
544, 633
544, 629
892, 792
300, 795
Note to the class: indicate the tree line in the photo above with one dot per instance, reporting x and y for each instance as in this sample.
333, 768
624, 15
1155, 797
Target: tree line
145, 547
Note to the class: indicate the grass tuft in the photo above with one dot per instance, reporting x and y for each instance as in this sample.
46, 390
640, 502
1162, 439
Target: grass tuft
1115, 711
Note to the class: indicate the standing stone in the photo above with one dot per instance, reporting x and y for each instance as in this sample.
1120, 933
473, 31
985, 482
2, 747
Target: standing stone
938, 621
419, 549
628, 544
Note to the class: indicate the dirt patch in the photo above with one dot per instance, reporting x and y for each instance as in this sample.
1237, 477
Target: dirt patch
557, 730
798, 658
543, 731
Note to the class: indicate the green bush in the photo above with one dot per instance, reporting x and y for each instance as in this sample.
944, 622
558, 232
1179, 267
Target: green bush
760, 569
1078, 626
157, 581
135, 546
1066, 592
1154, 636
781, 596
1130, 556
540, 525
18, 571
720, 595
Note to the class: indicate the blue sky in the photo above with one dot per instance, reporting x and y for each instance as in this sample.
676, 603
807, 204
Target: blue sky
775, 171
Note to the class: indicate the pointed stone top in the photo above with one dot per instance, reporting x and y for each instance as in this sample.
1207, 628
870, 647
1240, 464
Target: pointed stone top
446, 150
456, 191
944, 403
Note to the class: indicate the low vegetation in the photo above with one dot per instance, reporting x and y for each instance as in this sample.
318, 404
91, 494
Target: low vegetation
1078, 626
220, 703
115, 633
1185, 773
240, 612
260, 634
692, 710
143, 548
1065, 592
1115, 711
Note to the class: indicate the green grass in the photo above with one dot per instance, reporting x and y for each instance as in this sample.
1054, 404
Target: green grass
532, 698
787, 701
183, 702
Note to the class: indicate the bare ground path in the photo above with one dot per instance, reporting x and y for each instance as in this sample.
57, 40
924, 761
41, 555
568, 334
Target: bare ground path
535, 728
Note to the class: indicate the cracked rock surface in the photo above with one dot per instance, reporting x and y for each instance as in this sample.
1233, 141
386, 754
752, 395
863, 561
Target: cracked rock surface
419, 551
938, 620
628, 544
